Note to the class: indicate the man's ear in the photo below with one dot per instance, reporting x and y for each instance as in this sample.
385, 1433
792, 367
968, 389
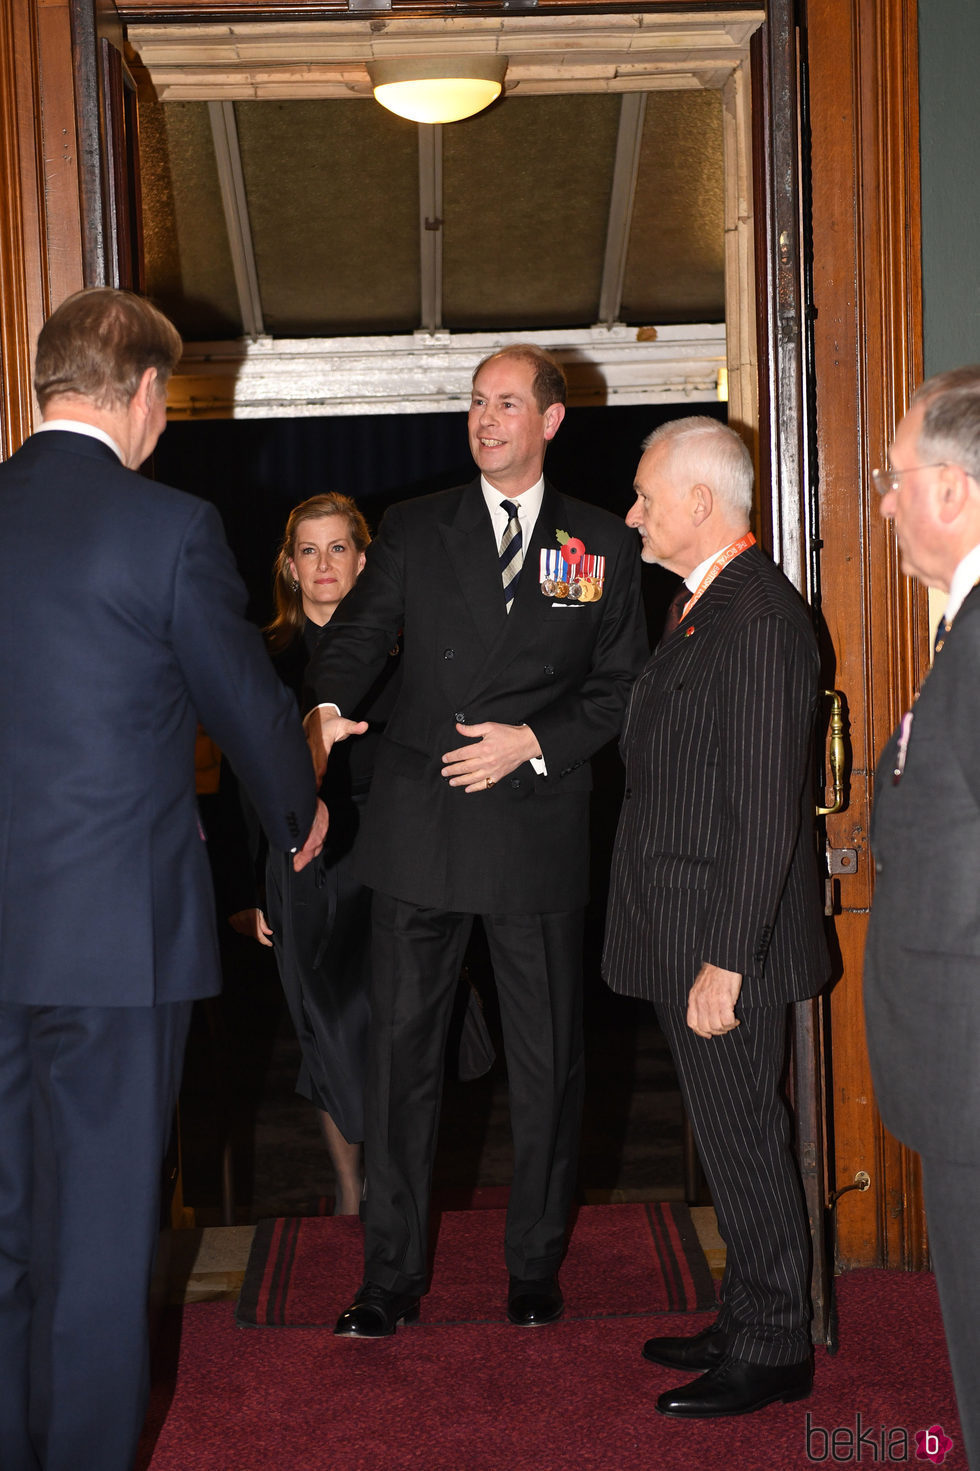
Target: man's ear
702, 501
146, 390
956, 489
553, 416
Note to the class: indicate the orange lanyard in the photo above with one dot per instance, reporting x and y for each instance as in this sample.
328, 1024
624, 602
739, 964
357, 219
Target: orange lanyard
721, 561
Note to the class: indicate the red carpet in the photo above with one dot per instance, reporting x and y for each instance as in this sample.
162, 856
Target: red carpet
621, 1259
488, 1397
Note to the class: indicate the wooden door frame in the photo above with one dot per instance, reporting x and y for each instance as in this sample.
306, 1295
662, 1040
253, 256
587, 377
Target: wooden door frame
841, 352
786, 502
861, 58
836, 381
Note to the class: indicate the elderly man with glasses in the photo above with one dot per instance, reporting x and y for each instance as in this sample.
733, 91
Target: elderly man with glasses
922, 965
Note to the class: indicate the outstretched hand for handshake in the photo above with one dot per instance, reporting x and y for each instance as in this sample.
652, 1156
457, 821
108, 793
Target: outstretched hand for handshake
324, 726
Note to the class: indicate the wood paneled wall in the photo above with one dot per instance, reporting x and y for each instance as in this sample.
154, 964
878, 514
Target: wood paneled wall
40, 221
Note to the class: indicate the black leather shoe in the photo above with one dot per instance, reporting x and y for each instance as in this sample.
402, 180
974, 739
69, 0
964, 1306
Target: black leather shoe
376, 1313
703, 1351
532, 1302
737, 1388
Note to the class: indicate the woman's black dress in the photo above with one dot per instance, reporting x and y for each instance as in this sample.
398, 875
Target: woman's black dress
320, 918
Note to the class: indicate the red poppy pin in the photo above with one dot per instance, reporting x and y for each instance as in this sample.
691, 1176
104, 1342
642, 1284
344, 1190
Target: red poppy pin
572, 549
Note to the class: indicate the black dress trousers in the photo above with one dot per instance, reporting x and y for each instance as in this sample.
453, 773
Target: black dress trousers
415, 963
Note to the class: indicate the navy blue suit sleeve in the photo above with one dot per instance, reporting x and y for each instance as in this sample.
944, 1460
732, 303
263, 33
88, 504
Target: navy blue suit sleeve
239, 698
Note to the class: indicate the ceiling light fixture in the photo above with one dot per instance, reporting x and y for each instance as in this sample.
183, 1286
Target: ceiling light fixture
437, 89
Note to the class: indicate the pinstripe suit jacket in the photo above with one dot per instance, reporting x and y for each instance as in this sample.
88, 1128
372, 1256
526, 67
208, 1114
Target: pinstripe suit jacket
715, 858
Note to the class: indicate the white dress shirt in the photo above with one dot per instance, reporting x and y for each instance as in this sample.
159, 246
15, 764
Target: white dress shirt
528, 505
962, 582
693, 579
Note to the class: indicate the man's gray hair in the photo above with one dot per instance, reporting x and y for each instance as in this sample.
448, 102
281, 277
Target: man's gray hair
703, 449
950, 432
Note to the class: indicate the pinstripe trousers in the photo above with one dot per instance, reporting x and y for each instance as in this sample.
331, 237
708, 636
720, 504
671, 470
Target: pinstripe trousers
731, 1090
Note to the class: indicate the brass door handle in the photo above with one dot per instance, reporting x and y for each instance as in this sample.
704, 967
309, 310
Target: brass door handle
836, 752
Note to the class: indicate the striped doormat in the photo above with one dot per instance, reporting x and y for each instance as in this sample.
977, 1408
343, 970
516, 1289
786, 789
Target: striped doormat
623, 1260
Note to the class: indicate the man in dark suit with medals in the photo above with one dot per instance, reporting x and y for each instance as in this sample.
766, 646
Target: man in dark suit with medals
511, 680
714, 910
922, 962
123, 623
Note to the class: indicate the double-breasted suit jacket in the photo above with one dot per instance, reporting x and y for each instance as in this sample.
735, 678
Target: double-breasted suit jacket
517, 854
564, 668
715, 860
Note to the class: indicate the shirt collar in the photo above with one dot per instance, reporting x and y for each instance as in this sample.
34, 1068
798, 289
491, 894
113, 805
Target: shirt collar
966, 575
693, 579
76, 426
528, 503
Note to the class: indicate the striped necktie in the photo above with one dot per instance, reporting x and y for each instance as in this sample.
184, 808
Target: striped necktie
511, 553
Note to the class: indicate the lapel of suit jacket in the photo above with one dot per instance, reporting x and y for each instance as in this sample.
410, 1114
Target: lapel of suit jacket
692, 631
711, 604
472, 550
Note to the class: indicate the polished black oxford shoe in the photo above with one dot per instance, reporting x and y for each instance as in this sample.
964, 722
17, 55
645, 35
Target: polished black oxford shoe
703, 1351
532, 1302
376, 1312
737, 1388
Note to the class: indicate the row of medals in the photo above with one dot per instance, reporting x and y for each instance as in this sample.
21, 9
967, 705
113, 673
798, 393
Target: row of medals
578, 589
578, 584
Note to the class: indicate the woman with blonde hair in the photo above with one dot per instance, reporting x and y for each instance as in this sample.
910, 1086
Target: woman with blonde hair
318, 920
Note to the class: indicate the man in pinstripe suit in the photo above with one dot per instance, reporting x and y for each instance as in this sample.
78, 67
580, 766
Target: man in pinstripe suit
714, 910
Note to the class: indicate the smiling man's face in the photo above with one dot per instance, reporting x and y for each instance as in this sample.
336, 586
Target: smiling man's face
508, 432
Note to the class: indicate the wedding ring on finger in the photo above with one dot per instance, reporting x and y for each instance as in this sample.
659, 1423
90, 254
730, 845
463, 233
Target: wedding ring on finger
489, 782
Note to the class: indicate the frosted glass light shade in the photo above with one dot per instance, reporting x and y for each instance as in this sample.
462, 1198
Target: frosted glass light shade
438, 89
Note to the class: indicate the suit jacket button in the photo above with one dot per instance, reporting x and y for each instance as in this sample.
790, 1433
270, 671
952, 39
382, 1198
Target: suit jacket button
448, 653
549, 669
515, 781
460, 718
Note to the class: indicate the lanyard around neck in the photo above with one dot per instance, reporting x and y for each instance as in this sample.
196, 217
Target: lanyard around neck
718, 565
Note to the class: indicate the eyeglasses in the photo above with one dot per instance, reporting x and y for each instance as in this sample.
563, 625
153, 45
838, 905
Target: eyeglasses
885, 481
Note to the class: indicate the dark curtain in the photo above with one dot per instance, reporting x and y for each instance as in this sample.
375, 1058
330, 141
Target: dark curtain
256, 470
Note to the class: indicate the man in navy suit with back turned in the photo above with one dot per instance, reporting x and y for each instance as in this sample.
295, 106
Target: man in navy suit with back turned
512, 678
122, 626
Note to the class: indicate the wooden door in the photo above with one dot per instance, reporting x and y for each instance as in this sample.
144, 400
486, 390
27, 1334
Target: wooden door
860, 59
840, 347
